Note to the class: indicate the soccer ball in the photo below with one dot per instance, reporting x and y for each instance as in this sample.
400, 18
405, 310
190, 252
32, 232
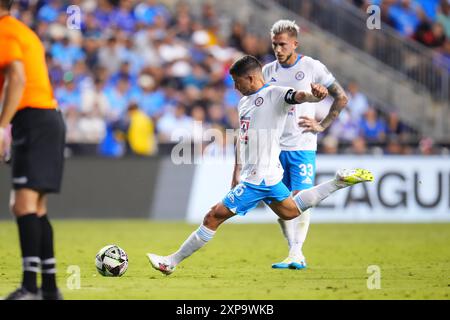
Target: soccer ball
111, 261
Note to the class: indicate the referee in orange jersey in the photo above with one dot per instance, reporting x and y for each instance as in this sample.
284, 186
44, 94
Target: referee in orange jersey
38, 138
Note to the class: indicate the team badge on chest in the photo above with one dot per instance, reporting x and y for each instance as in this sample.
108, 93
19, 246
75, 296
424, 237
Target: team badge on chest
300, 75
259, 101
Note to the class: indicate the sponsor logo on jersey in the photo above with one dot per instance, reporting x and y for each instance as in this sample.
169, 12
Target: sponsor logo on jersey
291, 111
243, 133
273, 80
300, 75
307, 180
259, 101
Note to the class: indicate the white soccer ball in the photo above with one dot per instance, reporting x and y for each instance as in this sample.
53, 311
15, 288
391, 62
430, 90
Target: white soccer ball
111, 261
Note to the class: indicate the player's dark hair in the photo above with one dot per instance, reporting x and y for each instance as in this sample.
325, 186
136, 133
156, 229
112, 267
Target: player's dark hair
245, 65
6, 4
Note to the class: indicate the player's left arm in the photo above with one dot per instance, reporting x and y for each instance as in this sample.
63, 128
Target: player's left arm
340, 101
318, 93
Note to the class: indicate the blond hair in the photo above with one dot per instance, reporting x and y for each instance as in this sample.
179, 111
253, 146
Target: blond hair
285, 26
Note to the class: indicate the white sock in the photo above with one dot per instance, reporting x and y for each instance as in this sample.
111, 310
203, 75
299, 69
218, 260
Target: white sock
287, 227
195, 241
300, 231
309, 198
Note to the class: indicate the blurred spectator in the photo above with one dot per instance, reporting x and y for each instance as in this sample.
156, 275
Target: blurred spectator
151, 99
49, 12
216, 116
237, 33
405, 16
426, 146
91, 49
68, 96
141, 133
119, 97
429, 7
91, 27
72, 121
357, 101
393, 146
430, 35
94, 100
395, 128
123, 17
183, 27
66, 53
104, 13
197, 78
445, 57
171, 49
345, 128
358, 146
443, 17
109, 55
172, 121
373, 128
123, 73
147, 11
330, 145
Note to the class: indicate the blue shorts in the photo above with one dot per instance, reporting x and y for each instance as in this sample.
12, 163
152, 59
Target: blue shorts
246, 196
299, 169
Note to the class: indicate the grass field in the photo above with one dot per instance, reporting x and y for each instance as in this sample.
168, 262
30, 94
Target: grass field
414, 261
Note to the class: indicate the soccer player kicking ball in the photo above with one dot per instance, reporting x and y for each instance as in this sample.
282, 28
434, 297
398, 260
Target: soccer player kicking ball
262, 113
299, 143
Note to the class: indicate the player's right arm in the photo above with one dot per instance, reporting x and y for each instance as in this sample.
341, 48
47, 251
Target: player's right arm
13, 72
14, 77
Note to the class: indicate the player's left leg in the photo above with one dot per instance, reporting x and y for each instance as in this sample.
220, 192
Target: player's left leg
23, 204
49, 289
292, 207
300, 171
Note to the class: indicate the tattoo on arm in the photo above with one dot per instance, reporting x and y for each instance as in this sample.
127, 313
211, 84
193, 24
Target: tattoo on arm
339, 103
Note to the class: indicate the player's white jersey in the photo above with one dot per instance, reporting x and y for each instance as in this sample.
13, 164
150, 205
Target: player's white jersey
298, 76
262, 116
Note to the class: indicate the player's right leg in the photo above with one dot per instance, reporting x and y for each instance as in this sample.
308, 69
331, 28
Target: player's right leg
23, 204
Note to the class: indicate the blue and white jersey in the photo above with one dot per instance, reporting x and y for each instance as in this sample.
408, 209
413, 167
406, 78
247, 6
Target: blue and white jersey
262, 116
298, 76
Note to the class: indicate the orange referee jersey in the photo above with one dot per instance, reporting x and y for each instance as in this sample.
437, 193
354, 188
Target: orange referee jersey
18, 42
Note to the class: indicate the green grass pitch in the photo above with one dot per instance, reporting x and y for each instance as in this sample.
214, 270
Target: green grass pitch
414, 260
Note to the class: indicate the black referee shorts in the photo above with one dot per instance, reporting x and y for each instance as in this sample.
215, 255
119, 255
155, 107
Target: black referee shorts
38, 149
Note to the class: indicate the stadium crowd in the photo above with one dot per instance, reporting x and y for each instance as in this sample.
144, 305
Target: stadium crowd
128, 74
426, 21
